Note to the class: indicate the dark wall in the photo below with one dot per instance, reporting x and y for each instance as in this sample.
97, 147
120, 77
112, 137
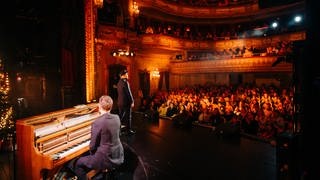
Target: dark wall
310, 88
37, 53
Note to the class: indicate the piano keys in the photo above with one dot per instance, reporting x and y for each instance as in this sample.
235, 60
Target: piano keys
48, 141
71, 150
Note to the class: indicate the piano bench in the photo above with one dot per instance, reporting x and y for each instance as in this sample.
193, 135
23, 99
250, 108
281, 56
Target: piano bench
100, 174
92, 174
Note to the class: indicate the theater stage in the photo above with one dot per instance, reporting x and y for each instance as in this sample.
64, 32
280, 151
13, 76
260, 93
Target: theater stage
160, 150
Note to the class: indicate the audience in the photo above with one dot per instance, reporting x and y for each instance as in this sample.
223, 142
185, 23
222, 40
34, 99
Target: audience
265, 111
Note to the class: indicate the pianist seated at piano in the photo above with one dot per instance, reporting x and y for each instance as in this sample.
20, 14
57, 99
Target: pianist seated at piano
106, 150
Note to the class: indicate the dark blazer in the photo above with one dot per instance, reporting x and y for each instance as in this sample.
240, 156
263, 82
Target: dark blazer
105, 146
125, 98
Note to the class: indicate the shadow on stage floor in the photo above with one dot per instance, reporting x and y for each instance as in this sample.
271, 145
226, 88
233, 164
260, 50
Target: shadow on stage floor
164, 151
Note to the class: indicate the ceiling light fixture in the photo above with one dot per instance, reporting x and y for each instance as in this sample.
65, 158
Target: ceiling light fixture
123, 52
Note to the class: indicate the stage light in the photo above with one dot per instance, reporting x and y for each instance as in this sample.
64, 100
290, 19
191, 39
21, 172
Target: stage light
274, 25
297, 19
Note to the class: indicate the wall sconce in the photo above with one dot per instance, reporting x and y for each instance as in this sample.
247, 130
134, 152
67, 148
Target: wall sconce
135, 8
155, 73
18, 77
98, 3
122, 52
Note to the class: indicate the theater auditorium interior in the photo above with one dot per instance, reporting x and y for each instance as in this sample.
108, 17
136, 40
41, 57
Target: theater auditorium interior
223, 89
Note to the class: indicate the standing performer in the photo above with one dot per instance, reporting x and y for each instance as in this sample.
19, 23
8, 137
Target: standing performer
125, 101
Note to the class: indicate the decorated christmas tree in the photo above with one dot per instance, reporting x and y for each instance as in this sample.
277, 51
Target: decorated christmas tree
6, 109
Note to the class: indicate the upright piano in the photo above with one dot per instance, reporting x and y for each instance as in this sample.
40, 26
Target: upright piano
46, 142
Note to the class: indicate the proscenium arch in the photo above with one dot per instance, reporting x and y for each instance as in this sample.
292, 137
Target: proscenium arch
90, 20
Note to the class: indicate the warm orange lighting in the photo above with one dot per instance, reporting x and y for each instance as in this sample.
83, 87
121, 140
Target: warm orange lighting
155, 73
98, 3
122, 52
90, 50
19, 78
135, 8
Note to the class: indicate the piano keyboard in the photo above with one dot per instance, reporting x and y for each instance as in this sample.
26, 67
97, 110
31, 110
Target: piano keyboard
70, 150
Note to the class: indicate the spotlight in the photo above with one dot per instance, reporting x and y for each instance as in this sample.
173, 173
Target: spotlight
297, 19
274, 25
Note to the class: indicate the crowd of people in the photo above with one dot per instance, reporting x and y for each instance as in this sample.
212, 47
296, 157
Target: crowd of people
214, 32
213, 3
281, 48
264, 112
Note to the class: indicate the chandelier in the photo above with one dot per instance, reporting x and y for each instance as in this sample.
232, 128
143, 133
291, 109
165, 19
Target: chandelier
155, 73
122, 52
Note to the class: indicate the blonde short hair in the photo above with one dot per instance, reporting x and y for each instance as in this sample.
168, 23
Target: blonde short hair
106, 102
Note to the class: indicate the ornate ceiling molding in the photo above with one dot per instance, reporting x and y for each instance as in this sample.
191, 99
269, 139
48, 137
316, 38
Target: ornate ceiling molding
214, 15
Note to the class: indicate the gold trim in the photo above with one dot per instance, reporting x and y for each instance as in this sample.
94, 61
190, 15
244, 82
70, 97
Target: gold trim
89, 50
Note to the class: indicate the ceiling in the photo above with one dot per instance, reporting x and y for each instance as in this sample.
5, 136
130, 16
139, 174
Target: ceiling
264, 13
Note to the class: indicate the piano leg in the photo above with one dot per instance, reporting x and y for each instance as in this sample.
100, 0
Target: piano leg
57, 173
44, 174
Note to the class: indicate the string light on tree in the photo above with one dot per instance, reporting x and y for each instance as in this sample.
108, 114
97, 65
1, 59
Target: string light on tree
6, 110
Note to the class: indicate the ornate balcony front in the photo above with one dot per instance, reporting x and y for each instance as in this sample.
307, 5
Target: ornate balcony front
239, 65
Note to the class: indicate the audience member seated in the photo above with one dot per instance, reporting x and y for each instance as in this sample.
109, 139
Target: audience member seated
183, 118
172, 110
204, 116
249, 124
215, 118
229, 129
144, 105
152, 112
162, 110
